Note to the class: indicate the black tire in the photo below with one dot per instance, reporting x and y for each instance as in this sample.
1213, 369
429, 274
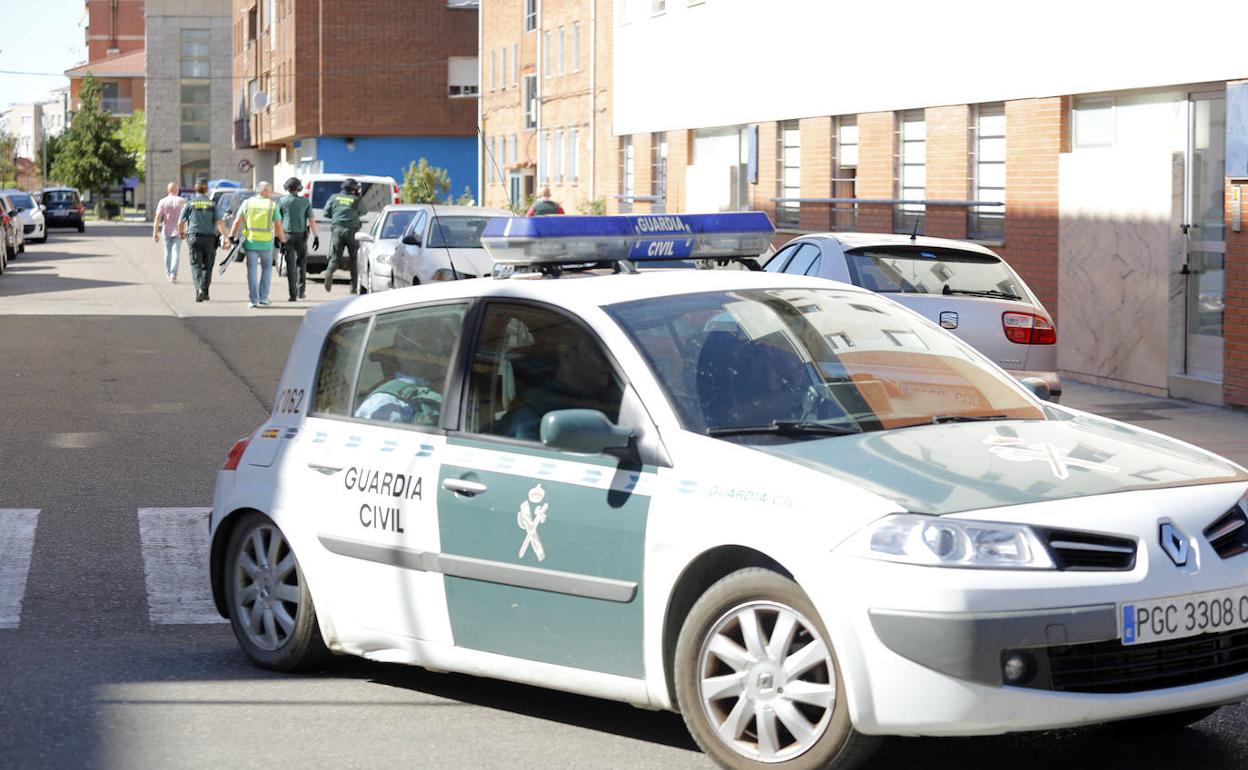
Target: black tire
44, 239
1165, 723
22, 249
303, 647
82, 227
840, 747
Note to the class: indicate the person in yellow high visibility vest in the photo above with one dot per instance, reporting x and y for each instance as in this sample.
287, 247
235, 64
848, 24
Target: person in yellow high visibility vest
262, 229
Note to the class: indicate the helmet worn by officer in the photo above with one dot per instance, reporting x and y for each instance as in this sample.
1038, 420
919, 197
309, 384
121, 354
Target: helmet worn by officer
293, 185
349, 185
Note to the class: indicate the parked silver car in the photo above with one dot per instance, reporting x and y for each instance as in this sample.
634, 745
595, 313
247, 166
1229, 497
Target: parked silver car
377, 245
443, 243
962, 286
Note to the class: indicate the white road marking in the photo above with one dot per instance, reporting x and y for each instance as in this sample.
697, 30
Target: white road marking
175, 562
17, 541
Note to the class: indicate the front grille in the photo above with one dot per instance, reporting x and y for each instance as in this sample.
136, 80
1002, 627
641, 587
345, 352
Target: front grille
1229, 534
1089, 552
28, 229
1111, 667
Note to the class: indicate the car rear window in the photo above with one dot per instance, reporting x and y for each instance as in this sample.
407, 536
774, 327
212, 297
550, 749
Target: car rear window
923, 270
62, 197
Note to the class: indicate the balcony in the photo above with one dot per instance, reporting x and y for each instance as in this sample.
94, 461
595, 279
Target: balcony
242, 134
117, 105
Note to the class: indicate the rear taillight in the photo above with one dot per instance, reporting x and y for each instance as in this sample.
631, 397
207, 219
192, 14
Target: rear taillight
236, 454
397, 199
1028, 329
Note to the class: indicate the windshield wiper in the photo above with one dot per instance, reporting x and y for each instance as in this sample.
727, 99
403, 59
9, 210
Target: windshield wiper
787, 428
943, 418
985, 293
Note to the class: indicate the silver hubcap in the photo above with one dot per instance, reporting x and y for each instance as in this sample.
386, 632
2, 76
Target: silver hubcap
766, 681
266, 595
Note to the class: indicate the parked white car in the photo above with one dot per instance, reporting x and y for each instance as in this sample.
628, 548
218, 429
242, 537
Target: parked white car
377, 245
376, 192
29, 214
962, 286
443, 243
797, 512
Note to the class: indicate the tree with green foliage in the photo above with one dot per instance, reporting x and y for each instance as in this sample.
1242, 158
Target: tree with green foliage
132, 133
91, 157
423, 183
466, 198
596, 206
8, 164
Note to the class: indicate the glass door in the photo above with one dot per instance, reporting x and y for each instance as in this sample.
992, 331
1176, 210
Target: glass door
1205, 234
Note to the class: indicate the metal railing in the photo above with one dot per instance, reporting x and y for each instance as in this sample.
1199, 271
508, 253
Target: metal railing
242, 133
117, 105
842, 213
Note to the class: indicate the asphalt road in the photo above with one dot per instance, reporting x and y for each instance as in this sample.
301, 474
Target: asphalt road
118, 392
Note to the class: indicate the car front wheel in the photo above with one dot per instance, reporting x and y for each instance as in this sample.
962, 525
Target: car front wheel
271, 610
758, 682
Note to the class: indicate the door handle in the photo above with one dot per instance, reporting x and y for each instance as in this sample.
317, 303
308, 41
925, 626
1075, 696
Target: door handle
328, 470
463, 487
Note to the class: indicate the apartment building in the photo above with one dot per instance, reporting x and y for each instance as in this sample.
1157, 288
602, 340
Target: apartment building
545, 106
365, 91
24, 122
189, 96
114, 32
112, 27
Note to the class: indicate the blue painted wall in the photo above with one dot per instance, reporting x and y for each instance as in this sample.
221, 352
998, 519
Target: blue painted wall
389, 156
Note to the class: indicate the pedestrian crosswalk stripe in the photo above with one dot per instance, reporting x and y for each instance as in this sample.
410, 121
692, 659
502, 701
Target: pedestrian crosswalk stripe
175, 563
17, 540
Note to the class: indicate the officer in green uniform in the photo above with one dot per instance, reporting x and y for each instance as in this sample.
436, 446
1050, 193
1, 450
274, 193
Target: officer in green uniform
344, 210
298, 222
200, 226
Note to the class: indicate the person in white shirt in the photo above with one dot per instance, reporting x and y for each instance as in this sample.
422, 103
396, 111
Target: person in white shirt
168, 211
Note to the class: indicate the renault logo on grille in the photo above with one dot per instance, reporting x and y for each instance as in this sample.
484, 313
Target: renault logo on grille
1175, 544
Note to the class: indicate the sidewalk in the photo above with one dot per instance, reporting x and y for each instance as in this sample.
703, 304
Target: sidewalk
1224, 431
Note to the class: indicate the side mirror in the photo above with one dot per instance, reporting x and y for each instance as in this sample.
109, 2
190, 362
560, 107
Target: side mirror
42, 207
411, 239
1038, 387
587, 431
13, 213
364, 237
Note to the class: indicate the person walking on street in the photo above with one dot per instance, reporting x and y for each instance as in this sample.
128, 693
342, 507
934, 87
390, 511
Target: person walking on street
165, 225
544, 205
200, 226
258, 220
298, 223
344, 210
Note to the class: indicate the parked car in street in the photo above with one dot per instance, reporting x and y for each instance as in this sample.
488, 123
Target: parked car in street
376, 192
228, 200
30, 213
63, 208
12, 214
8, 238
377, 245
961, 286
443, 243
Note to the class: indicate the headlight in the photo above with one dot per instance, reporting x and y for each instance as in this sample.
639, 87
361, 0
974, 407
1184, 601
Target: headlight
944, 542
382, 259
443, 274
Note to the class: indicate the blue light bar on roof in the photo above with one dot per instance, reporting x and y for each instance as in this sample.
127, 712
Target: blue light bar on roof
639, 237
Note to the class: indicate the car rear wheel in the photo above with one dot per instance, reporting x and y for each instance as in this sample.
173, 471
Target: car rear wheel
758, 682
271, 610
82, 227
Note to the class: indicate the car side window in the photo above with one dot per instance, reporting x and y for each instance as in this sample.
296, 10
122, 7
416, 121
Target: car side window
335, 372
531, 360
776, 264
405, 365
802, 261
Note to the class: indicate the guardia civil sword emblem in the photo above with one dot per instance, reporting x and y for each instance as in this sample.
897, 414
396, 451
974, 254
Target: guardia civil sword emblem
531, 515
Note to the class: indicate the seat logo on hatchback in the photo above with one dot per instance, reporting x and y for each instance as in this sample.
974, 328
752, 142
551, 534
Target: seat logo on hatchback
948, 319
1175, 544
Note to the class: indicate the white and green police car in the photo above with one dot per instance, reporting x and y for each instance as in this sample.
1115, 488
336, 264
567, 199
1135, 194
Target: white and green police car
793, 510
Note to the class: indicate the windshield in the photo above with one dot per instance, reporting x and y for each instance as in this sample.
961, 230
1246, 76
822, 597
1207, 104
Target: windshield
758, 357
21, 201
61, 197
395, 224
456, 232
923, 270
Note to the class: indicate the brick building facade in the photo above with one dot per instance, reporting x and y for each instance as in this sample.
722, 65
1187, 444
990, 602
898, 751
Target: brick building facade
113, 27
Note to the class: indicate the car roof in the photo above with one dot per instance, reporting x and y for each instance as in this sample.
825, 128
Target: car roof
447, 209
59, 189
860, 240
576, 292
310, 178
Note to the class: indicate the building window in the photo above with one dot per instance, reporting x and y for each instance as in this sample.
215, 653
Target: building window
546, 54
576, 46
987, 164
511, 150
493, 70
626, 174
574, 156
788, 172
515, 64
461, 76
195, 54
530, 15
658, 171
497, 160
910, 183
1092, 121
503, 52
562, 48
197, 113
658, 6
557, 157
195, 165
530, 101
252, 24
543, 167
845, 172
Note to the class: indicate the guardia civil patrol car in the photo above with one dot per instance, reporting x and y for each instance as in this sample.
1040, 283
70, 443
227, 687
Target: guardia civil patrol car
793, 510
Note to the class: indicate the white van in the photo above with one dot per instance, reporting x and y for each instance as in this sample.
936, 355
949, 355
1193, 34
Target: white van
377, 192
